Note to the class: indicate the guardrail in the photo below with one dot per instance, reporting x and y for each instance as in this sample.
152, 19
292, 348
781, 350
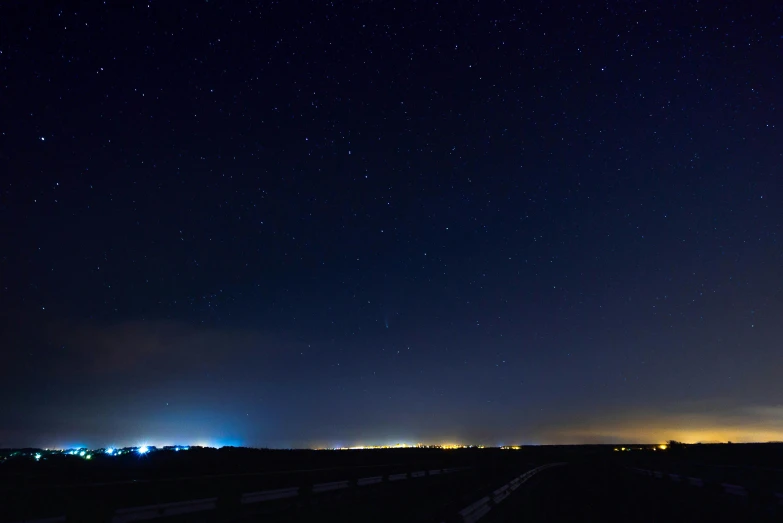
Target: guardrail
727, 488
480, 508
163, 510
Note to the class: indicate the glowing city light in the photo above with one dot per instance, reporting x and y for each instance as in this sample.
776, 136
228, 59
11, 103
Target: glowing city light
110, 451
143, 449
82, 453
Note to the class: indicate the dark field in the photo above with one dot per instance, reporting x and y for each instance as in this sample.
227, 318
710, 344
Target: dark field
411, 485
594, 492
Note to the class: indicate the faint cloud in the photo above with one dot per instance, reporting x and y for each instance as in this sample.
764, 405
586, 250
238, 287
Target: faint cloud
771, 412
750, 423
166, 345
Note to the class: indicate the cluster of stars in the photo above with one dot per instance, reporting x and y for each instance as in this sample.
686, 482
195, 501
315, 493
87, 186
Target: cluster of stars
514, 191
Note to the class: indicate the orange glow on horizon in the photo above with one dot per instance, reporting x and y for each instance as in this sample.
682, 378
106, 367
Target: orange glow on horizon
691, 430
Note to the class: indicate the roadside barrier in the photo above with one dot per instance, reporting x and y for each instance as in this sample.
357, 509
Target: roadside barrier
163, 510
480, 508
726, 488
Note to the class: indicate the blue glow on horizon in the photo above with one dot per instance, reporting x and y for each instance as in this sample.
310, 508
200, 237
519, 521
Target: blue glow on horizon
218, 443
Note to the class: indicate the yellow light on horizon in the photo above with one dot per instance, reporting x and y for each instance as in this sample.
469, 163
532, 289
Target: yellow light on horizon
663, 447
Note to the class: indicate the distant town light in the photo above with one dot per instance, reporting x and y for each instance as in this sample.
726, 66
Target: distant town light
143, 449
663, 447
82, 453
110, 451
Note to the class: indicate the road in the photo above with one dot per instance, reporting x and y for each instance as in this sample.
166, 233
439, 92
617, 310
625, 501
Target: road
595, 493
422, 500
592, 490
419, 498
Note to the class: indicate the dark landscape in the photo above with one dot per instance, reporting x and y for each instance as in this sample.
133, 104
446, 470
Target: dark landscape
589, 483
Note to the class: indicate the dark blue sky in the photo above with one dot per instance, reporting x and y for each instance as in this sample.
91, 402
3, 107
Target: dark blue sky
361, 222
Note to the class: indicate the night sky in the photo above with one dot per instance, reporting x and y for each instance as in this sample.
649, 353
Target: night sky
341, 223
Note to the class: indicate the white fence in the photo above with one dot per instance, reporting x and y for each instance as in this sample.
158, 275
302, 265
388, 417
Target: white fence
480, 508
728, 488
162, 510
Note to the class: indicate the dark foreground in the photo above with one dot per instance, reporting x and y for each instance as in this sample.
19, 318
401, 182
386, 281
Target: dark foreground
716, 484
609, 493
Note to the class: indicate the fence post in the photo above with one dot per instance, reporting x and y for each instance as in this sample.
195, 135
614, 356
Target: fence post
89, 512
229, 504
303, 502
761, 499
